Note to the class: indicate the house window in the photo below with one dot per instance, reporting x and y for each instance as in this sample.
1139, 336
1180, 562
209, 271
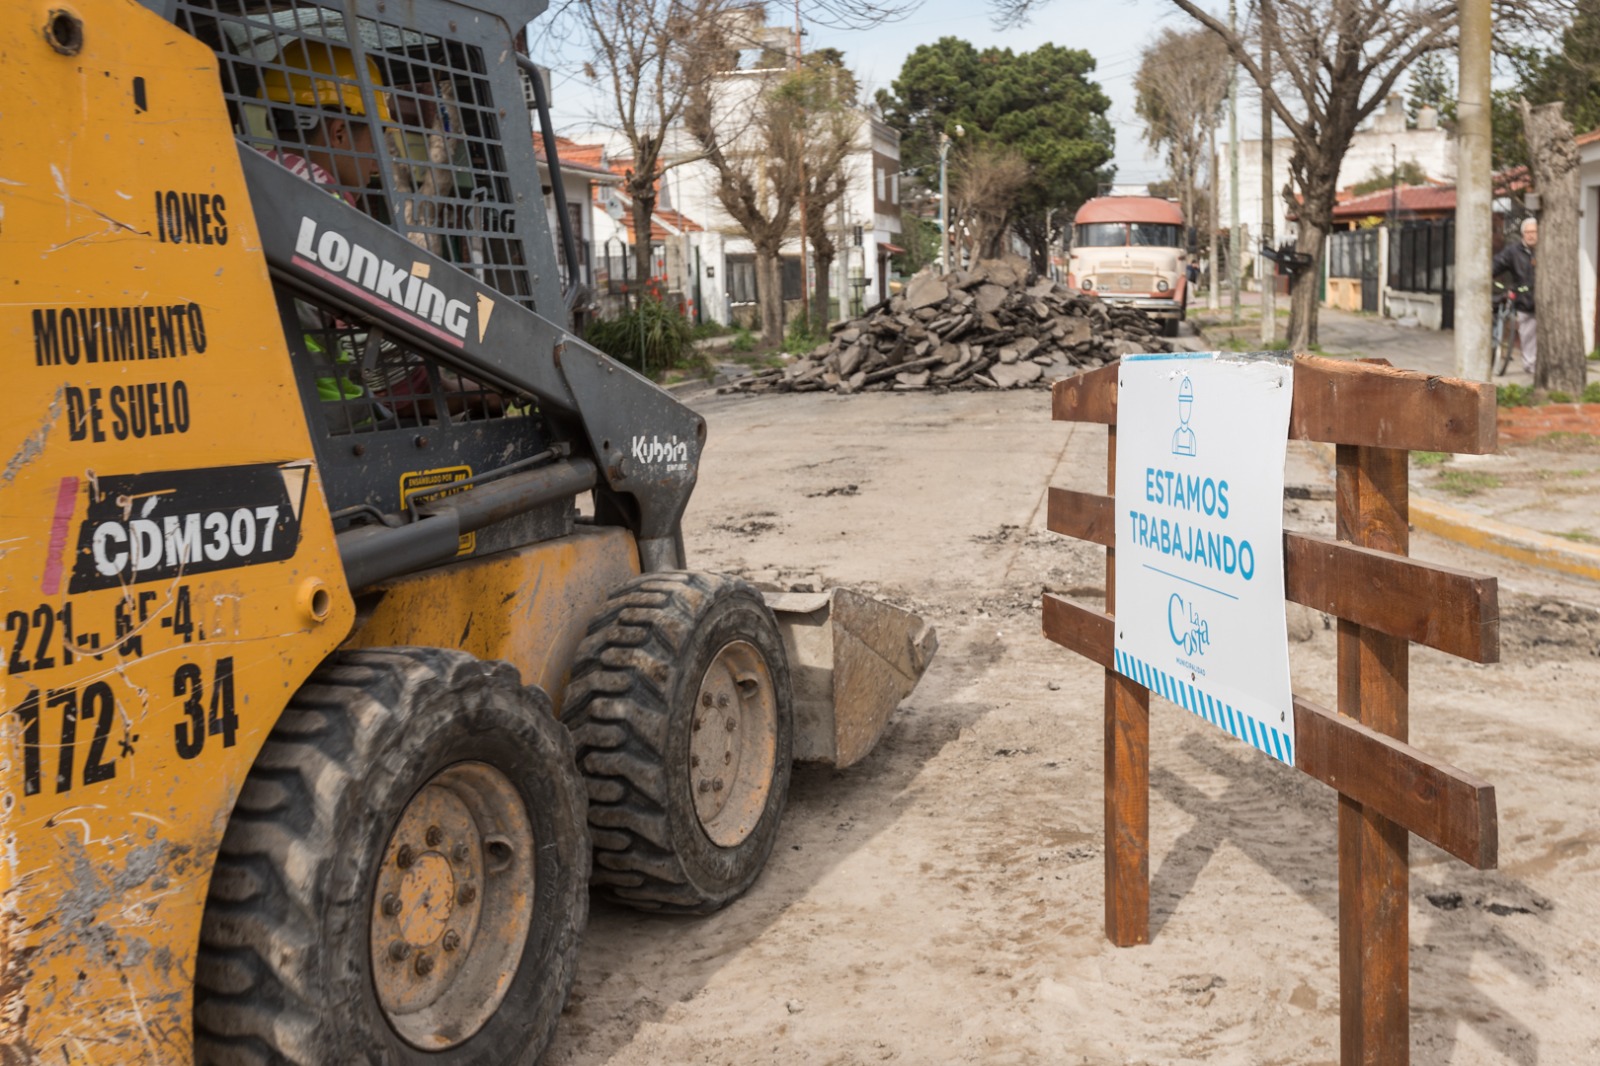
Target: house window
882, 185
741, 279
894, 187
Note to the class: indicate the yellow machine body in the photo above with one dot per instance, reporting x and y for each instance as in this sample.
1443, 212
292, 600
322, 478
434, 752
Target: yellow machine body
152, 442
169, 570
529, 606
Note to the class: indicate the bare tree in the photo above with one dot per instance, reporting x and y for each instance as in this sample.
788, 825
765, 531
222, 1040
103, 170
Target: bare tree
1553, 158
1180, 88
644, 51
1339, 61
747, 128
831, 122
1335, 62
985, 181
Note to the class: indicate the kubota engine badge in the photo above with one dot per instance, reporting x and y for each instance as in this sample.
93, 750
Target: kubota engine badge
159, 526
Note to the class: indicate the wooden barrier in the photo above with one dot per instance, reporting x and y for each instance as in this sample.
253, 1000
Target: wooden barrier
1384, 602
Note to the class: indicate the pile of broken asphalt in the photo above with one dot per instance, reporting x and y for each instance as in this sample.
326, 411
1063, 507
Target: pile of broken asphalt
989, 327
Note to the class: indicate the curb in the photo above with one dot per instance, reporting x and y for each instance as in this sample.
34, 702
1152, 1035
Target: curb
1504, 539
1482, 533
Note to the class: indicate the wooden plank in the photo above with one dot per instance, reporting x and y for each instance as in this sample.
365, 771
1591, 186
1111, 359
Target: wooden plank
1339, 402
1374, 851
1079, 629
1451, 610
1127, 783
1442, 804
1378, 406
1085, 515
1446, 806
1087, 397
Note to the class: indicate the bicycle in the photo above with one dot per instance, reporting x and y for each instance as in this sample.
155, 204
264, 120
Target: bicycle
1505, 327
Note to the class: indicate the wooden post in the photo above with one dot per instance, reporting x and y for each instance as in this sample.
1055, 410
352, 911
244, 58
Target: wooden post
1374, 880
1127, 781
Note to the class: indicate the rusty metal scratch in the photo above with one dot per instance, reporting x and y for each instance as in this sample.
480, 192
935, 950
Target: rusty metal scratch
33, 445
114, 225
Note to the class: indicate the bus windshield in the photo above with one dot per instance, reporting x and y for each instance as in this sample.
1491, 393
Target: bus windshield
1156, 235
1102, 235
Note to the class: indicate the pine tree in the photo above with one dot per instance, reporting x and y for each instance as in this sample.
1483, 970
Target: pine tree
1433, 84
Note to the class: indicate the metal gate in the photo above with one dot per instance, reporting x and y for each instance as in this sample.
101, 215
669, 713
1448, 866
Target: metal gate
1354, 254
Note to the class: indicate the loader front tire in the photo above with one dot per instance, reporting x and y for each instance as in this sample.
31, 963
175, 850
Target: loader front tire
405, 876
681, 708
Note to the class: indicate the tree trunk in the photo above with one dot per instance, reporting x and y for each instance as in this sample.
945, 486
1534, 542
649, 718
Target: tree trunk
1303, 288
822, 294
1553, 153
644, 206
769, 295
1214, 264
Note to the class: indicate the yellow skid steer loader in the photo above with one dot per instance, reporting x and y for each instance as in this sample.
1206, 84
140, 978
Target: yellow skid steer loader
347, 629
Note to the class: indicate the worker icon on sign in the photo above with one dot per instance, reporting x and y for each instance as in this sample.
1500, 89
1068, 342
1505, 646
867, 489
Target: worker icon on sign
1183, 438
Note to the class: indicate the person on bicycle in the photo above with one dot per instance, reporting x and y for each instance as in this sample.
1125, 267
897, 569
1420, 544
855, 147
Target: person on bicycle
1517, 260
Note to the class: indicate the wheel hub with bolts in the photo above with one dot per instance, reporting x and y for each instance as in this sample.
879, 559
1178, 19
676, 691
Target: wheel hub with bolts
733, 744
452, 906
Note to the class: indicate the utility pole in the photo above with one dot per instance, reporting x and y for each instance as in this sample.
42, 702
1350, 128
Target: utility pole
805, 267
1233, 168
1214, 286
1474, 196
944, 205
1269, 280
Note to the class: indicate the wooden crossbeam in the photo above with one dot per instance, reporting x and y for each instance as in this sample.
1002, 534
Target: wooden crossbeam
1339, 402
1451, 610
1441, 804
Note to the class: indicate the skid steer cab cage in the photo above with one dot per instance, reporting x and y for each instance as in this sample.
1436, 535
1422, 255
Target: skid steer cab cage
1384, 601
411, 116
389, 157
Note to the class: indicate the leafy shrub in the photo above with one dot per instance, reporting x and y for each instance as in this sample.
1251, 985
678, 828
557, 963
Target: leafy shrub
651, 338
1514, 395
799, 340
710, 328
743, 341
1591, 392
1557, 396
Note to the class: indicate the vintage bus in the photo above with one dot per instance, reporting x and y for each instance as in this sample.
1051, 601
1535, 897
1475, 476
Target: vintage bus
1130, 250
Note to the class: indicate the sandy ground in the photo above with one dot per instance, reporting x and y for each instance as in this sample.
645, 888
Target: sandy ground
942, 901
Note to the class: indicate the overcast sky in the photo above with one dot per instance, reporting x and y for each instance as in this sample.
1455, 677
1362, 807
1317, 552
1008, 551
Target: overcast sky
1113, 31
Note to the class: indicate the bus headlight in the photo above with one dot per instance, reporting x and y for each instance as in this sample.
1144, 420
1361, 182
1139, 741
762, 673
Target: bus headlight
1161, 285
1088, 284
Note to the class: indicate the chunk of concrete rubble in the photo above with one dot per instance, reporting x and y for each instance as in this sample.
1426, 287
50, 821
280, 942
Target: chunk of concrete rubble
1010, 375
926, 290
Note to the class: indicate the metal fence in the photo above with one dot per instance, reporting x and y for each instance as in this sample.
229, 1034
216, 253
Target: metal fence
1422, 257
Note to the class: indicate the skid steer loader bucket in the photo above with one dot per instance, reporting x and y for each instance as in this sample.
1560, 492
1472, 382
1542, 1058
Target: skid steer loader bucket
852, 659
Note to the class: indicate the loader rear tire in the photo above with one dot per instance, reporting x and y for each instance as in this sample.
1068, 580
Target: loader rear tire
323, 908
681, 708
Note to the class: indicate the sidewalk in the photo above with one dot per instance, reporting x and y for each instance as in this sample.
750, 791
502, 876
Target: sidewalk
1535, 501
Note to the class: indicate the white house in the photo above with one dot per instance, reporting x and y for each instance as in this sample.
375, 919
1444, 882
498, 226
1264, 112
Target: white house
1589, 234
1384, 144
582, 174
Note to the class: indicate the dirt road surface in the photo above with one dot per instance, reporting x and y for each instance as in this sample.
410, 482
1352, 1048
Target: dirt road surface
942, 901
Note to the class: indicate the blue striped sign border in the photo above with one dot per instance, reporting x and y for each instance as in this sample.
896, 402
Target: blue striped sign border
1257, 734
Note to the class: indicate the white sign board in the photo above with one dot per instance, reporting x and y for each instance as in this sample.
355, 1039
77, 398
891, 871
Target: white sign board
1201, 439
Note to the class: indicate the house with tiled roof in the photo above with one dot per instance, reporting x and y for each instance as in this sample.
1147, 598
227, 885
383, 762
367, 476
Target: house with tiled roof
583, 176
675, 240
